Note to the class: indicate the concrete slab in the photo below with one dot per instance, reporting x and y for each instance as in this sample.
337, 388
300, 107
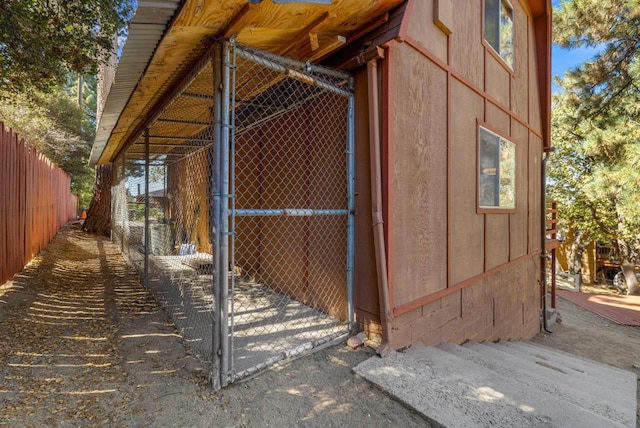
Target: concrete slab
485, 386
536, 352
575, 386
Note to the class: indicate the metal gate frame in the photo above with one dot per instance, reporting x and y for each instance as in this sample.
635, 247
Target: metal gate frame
212, 80
223, 200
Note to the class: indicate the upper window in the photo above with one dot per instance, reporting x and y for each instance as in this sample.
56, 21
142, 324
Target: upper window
498, 28
497, 171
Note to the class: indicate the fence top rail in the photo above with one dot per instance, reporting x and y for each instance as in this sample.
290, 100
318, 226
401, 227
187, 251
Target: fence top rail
326, 78
307, 66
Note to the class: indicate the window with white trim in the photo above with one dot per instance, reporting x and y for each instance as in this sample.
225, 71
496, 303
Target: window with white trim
498, 28
497, 171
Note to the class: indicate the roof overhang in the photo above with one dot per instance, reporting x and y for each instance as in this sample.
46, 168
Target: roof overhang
145, 32
541, 11
146, 73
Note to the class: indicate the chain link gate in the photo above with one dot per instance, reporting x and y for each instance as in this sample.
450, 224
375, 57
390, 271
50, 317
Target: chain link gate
235, 205
291, 222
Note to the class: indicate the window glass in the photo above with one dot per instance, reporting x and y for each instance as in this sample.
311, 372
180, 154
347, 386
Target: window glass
497, 171
491, 23
498, 28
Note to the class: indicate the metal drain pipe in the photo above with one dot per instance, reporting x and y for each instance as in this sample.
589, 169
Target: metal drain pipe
544, 256
376, 203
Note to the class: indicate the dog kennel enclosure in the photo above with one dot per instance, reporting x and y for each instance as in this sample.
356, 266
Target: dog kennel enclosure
235, 204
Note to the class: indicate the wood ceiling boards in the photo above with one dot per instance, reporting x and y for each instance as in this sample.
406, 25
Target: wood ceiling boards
303, 31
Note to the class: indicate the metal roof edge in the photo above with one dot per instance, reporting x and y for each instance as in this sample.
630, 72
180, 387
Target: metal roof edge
146, 29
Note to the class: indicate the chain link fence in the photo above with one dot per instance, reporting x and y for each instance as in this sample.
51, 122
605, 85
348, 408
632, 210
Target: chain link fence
235, 204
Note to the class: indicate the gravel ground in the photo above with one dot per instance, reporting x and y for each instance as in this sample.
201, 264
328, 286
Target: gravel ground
82, 343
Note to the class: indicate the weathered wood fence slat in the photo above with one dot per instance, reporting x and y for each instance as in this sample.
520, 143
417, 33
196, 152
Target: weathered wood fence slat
35, 201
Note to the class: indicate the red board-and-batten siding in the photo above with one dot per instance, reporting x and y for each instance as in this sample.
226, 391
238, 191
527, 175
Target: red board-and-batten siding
35, 201
456, 274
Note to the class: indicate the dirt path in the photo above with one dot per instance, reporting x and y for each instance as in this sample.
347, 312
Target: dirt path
82, 343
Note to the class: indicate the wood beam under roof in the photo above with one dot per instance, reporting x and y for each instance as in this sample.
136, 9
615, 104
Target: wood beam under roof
267, 26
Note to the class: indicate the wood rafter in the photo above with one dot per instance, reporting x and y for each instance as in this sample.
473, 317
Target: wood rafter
317, 29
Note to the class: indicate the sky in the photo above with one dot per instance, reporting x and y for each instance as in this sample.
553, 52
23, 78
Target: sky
564, 59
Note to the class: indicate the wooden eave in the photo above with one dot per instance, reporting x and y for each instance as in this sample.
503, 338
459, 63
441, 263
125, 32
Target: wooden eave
541, 11
303, 31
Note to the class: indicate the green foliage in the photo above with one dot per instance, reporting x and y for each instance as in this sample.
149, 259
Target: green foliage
613, 26
44, 47
595, 172
42, 41
57, 127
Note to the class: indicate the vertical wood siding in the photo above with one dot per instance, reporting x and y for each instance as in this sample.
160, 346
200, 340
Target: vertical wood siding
35, 201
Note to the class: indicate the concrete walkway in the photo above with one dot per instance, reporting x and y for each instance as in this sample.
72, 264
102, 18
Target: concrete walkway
506, 384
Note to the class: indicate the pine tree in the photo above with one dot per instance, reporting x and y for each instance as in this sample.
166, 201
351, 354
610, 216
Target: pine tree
596, 125
41, 42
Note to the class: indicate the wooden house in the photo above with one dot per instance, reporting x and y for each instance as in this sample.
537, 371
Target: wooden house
451, 114
459, 269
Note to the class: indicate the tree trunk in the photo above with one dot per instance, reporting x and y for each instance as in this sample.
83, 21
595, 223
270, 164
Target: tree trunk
99, 214
630, 279
627, 265
578, 246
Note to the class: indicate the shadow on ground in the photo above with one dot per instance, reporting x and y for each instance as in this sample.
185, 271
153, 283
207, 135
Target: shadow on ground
83, 343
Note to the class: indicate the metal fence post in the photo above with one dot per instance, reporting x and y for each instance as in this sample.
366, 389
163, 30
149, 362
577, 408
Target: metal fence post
351, 209
232, 207
215, 209
123, 204
224, 212
145, 278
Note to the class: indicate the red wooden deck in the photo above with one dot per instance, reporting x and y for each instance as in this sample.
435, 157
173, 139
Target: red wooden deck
624, 310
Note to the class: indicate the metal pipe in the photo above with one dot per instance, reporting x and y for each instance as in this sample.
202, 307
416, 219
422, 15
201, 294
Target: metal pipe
214, 187
123, 195
182, 122
260, 56
543, 241
351, 208
270, 63
294, 212
376, 206
186, 139
553, 279
553, 258
224, 212
232, 175
146, 207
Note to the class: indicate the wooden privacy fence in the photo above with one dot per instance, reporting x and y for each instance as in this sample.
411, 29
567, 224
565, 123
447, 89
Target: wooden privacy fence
35, 201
